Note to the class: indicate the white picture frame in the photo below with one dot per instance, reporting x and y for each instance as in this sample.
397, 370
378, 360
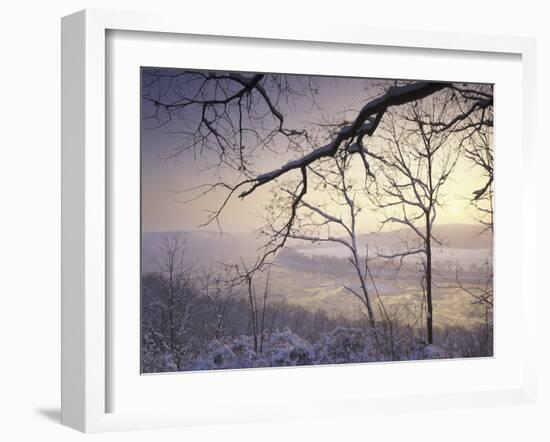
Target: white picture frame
86, 202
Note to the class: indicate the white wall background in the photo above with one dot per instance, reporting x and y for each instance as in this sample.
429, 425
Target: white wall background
30, 217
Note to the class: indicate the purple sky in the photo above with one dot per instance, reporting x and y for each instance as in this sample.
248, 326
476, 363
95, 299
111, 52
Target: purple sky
163, 209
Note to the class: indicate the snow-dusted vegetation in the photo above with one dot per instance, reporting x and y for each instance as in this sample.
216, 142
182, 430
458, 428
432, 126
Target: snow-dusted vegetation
370, 205
283, 348
208, 319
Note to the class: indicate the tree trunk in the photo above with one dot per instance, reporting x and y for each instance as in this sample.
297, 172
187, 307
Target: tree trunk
253, 312
368, 303
173, 343
362, 278
429, 317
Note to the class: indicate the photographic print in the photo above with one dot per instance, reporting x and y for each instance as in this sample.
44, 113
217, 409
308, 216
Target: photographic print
301, 220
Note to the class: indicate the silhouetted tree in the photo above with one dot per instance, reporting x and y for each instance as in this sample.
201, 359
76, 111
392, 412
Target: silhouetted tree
416, 162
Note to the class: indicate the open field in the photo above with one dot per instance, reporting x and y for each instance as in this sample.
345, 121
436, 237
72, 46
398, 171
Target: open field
402, 295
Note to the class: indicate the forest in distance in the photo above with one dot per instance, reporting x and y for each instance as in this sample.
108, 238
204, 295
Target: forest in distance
293, 220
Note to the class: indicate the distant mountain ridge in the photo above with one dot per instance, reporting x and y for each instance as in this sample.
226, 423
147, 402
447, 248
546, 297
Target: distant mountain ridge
214, 246
455, 236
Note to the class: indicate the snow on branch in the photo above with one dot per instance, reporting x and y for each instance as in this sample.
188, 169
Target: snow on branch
364, 124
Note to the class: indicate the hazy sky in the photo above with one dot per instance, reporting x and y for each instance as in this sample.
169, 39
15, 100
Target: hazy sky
163, 209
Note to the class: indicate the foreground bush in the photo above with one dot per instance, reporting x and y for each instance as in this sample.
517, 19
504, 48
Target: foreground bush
287, 349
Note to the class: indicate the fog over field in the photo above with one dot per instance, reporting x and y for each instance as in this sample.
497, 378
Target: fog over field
461, 241
313, 275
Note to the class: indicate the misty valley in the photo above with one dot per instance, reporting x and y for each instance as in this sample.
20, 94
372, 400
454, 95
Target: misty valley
304, 314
